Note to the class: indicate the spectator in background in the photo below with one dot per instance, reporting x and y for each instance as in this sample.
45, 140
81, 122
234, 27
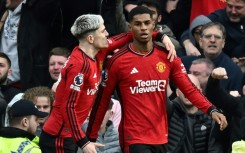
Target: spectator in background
116, 113
202, 68
212, 42
189, 129
112, 13
26, 37
177, 15
7, 92
233, 106
20, 135
43, 98
194, 34
108, 134
233, 19
205, 7
239, 146
57, 58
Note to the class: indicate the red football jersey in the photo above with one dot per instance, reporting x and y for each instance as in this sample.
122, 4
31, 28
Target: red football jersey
142, 83
76, 90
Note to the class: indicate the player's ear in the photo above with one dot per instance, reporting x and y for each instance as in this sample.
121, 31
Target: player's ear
129, 27
90, 39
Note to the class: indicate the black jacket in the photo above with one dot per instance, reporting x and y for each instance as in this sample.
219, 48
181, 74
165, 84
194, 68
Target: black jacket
34, 40
234, 110
7, 93
187, 133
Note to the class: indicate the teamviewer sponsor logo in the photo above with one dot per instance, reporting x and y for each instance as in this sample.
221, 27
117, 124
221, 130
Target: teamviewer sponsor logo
148, 86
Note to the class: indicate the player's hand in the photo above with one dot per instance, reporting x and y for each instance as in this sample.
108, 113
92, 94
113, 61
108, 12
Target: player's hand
54, 87
219, 73
220, 119
90, 148
171, 5
170, 47
240, 62
112, 53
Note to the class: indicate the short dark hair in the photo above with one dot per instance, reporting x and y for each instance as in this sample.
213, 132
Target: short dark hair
60, 51
139, 10
3, 55
214, 24
152, 3
207, 61
13, 121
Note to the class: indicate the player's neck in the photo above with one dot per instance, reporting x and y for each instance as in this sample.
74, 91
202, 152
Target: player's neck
142, 47
89, 50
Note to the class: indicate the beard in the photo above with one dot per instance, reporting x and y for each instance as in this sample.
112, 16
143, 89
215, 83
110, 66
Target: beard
32, 130
3, 78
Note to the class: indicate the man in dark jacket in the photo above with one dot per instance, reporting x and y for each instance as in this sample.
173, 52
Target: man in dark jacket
189, 128
26, 39
234, 106
233, 19
7, 92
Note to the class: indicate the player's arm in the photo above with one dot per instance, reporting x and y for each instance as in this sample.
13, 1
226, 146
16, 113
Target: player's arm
106, 88
74, 84
180, 78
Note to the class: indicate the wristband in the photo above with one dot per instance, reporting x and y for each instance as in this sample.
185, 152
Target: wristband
163, 36
214, 110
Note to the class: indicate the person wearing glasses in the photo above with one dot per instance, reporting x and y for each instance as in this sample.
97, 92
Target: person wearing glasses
212, 42
233, 19
194, 34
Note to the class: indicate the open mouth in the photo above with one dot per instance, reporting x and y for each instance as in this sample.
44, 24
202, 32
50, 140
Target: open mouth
144, 35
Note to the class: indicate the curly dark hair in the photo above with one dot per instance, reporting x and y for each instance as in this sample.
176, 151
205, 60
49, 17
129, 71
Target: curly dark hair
32, 93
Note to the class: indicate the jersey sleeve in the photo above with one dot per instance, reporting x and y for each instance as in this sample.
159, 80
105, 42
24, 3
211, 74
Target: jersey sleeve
74, 76
181, 80
106, 88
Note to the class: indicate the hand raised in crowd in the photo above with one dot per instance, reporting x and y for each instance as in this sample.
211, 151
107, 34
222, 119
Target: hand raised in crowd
240, 62
191, 50
220, 119
171, 5
90, 148
170, 48
219, 73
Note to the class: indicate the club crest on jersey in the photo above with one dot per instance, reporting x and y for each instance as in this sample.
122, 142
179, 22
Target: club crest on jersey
160, 67
104, 75
78, 80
